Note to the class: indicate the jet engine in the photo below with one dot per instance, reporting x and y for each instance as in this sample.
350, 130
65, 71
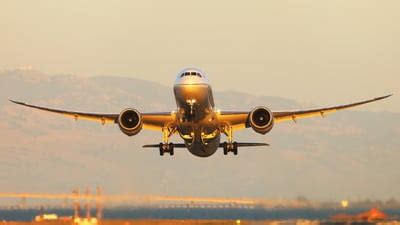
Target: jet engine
130, 122
261, 120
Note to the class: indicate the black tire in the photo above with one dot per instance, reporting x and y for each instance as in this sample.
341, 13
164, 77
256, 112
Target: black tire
171, 149
225, 147
235, 148
161, 149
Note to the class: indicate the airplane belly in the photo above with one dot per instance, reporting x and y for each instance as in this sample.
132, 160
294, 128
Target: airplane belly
201, 149
202, 139
196, 119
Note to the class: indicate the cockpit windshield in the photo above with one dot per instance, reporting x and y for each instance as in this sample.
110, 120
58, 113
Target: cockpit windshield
191, 74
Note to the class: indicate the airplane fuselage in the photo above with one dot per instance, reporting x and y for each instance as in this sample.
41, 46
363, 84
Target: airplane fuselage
197, 121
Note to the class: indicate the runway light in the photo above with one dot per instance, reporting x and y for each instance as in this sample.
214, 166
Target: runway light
344, 203
237, 221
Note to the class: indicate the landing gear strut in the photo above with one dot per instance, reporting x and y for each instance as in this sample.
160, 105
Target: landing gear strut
230, 146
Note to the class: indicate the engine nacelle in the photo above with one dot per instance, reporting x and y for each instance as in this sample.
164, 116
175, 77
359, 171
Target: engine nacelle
130, 122
261, 120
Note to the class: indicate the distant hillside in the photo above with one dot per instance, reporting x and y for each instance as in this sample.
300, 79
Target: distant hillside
352, 154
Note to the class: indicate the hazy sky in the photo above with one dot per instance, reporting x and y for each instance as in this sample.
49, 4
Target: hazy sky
316, 52
321, 52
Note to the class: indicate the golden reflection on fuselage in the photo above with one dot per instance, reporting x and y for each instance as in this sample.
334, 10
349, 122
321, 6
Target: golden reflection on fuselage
196, 117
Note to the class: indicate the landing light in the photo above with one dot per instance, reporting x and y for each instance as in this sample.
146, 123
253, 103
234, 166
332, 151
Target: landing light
191, 101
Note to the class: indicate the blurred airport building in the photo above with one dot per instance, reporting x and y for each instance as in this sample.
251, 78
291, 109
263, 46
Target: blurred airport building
88, 208
99, 200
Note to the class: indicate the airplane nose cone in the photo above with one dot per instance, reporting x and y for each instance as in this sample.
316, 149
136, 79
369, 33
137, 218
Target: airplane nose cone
191, 76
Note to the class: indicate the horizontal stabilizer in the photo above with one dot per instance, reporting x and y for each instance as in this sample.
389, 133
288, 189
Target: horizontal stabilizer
179, 145
247, 144
221, 145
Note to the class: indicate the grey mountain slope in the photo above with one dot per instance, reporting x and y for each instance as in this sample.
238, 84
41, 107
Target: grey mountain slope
349, 154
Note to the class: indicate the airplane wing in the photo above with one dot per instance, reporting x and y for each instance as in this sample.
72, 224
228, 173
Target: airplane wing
151, 121
281, 116
239, 120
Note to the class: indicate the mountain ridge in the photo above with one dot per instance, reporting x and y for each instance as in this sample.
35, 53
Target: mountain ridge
343, 155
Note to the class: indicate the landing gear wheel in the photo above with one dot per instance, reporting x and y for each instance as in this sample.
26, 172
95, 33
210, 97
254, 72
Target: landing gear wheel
225, 146
230, 147
161, 149
166, 148
235, 148
171, 149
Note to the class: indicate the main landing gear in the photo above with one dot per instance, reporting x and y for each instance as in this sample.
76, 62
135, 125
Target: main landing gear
166, 146
229, 146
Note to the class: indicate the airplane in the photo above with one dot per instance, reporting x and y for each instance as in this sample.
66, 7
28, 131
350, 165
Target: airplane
196, 119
